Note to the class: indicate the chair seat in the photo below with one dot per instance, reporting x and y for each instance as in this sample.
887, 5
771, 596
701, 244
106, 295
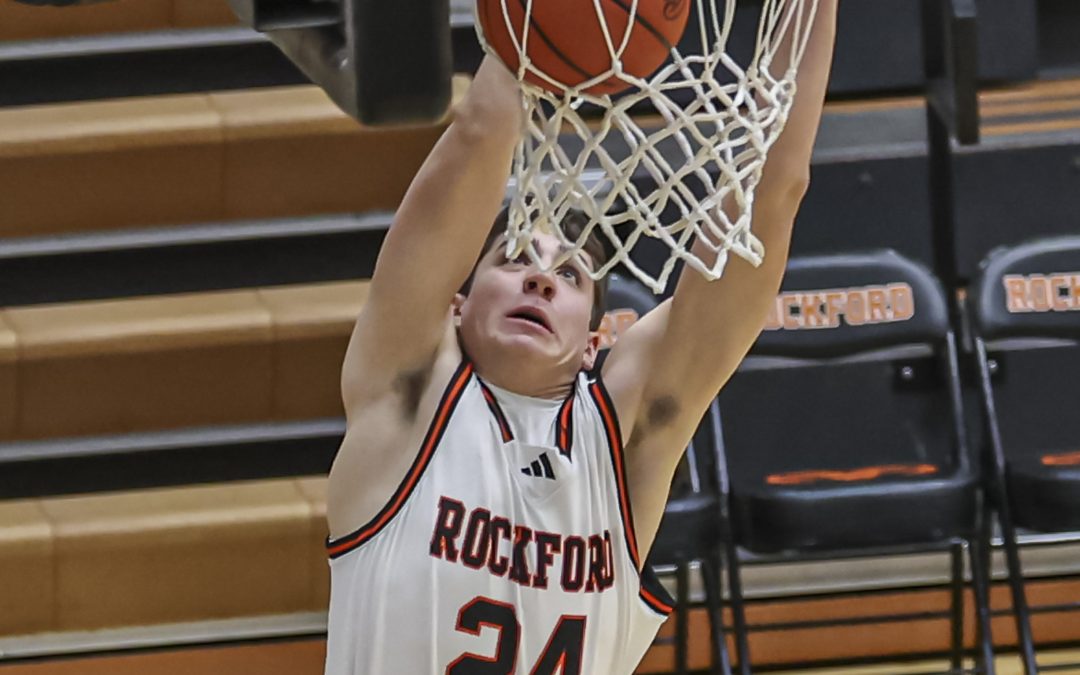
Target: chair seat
1045, 491
865, 508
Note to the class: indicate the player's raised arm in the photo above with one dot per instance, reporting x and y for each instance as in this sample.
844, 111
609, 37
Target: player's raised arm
719, 321
435, 238
665, 370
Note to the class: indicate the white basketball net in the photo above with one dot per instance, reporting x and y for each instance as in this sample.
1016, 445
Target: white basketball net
700, 160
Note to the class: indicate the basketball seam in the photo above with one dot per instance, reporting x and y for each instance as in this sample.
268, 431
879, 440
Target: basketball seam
555, 50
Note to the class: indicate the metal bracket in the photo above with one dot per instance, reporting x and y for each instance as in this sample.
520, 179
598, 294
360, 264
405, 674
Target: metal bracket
381, 62
952, 68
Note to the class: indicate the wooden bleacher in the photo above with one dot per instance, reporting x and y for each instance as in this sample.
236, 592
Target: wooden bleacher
107, 165
143, 364
162, 556
26, 22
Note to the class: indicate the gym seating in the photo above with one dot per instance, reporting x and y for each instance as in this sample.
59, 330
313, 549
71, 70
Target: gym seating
142, 364
190, 259
27, 590
121, 366
1023, 309
25, 22
8, 359
162, 556
110, 165
311, 325
844, 433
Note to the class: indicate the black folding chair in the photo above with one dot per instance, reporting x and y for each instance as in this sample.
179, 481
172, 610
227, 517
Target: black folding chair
844, 433
693, 529
1024, 310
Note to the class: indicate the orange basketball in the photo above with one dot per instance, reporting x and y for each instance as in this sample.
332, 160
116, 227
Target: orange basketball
566, 40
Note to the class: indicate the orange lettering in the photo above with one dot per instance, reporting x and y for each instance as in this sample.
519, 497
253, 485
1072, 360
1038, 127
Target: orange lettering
810, 308
623, 321
614, 324
791, 322
1060, 300
856, 308
1039, 288
877, 300
1016, 294
902, 299
834, 307
606, 332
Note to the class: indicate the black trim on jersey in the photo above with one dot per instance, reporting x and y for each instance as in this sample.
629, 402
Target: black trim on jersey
437, 429
653, 593
500, 418
614, 436
564, 426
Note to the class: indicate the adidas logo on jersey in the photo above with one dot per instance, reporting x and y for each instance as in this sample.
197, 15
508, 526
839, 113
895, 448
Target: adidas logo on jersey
541, 468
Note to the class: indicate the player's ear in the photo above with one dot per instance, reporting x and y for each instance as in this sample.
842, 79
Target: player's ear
592, 348
455, 307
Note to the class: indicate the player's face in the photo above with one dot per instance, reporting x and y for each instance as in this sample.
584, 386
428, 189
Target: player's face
515, 306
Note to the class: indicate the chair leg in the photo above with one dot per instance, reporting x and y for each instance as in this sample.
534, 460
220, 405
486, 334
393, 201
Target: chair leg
1021, 610
710, 576
956, 662
738, 612
980, 587
682, 610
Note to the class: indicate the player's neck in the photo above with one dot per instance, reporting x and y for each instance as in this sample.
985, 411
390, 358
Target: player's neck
525, 381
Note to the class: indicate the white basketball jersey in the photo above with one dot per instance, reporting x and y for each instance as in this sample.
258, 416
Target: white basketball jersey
507, 549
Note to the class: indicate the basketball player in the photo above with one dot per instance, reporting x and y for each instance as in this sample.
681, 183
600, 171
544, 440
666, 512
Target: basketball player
491, 507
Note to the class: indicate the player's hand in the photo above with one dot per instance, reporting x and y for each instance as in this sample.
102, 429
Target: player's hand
494, 98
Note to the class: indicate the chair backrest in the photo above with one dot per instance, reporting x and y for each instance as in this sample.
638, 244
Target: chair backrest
1030, 290
856, 368
839, 305
1025, 305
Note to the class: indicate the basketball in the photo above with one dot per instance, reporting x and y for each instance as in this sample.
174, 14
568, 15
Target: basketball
566, 39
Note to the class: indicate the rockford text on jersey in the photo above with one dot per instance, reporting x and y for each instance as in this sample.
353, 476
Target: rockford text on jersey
482, 540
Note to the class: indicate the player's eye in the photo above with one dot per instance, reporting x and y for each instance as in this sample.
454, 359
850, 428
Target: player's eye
570, 273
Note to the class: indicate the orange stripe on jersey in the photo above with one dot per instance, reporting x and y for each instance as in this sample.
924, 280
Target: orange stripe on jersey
611, 425
435, 432
655, 602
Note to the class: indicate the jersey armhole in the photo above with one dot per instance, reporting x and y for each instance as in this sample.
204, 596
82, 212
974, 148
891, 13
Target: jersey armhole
653, 593
443, 412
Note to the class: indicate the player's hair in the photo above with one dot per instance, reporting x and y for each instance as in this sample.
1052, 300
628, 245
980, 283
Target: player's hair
572, 225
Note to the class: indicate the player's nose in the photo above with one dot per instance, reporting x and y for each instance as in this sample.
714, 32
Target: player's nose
540, 283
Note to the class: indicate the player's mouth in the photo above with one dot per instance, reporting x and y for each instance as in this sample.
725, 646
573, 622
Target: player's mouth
531, 315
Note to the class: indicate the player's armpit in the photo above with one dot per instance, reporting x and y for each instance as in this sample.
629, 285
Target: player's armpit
403, 378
